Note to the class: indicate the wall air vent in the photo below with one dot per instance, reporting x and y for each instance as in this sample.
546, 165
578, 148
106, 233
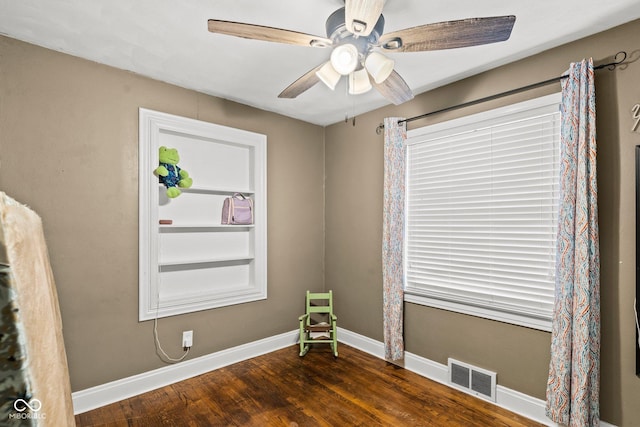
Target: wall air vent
473, 380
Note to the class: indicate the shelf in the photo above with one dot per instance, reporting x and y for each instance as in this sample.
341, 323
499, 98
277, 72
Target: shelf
226, 227
218, 260
214, 190
197, 263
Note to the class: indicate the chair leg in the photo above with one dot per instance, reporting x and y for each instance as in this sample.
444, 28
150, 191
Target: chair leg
304, 349
334, 345
304, 346
304, 343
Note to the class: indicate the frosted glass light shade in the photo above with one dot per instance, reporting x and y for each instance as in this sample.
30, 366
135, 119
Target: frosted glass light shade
361, 15
379, 66
328, 75
344, 58
359, 82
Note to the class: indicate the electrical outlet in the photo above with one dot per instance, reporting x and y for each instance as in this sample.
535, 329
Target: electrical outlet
187, 339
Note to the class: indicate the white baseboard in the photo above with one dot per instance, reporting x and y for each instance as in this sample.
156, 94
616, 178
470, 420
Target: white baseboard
95, 397
362, 343
506, 398
509, 399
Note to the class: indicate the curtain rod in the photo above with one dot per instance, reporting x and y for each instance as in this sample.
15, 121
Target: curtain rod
610, 66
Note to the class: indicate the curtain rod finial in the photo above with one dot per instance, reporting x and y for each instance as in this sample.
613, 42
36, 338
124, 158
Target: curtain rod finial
617, 62
380, 128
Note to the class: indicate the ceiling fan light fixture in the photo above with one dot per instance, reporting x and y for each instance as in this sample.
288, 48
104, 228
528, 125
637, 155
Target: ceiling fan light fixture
379, 66
359, 82
344, 58
328, 75
361, 15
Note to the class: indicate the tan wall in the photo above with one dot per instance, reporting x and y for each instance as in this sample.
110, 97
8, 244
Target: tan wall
354, 169
69, 149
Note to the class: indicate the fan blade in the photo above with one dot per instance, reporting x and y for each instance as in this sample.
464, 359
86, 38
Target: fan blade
258, 32
361, 16
449, 34
302, 84
394, 88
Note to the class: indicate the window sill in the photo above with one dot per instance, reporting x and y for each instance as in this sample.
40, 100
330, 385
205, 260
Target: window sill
500, 316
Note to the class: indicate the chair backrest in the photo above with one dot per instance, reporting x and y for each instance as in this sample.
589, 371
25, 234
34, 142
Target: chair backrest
320, 302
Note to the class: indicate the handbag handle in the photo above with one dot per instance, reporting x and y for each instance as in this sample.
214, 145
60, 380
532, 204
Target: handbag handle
238, 194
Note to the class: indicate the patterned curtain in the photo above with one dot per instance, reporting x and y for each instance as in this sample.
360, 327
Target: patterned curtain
574, 372
392, 237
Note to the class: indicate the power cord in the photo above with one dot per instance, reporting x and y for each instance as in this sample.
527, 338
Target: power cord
635, 311
159, 347
157, 340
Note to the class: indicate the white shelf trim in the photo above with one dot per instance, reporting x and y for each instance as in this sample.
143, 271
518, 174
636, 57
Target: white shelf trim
241, 160
215, 190
204, 225
217, 260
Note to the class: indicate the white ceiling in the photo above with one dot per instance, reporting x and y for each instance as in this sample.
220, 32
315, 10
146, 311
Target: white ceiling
168, 40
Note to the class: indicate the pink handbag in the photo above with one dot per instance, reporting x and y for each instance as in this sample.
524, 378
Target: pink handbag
237, 210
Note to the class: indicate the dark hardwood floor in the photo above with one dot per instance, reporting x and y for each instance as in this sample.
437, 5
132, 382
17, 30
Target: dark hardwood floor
283, 389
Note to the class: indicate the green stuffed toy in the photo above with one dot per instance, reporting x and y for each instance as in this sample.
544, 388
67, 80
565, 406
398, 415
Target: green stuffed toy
170, 174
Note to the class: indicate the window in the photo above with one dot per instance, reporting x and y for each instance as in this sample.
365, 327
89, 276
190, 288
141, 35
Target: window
481, 213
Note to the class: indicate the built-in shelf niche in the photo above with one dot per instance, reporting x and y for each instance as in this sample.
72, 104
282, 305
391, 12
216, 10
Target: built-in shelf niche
197, 263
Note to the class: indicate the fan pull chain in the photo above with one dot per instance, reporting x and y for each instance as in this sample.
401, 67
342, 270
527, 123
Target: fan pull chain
354, 111
353, 108
346, 94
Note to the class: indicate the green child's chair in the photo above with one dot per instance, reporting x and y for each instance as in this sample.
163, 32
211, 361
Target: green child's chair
318, 324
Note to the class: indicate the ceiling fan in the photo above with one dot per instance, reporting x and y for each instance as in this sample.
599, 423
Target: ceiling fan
355, 34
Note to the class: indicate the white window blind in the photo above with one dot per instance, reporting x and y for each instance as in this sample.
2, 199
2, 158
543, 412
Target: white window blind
481, 213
